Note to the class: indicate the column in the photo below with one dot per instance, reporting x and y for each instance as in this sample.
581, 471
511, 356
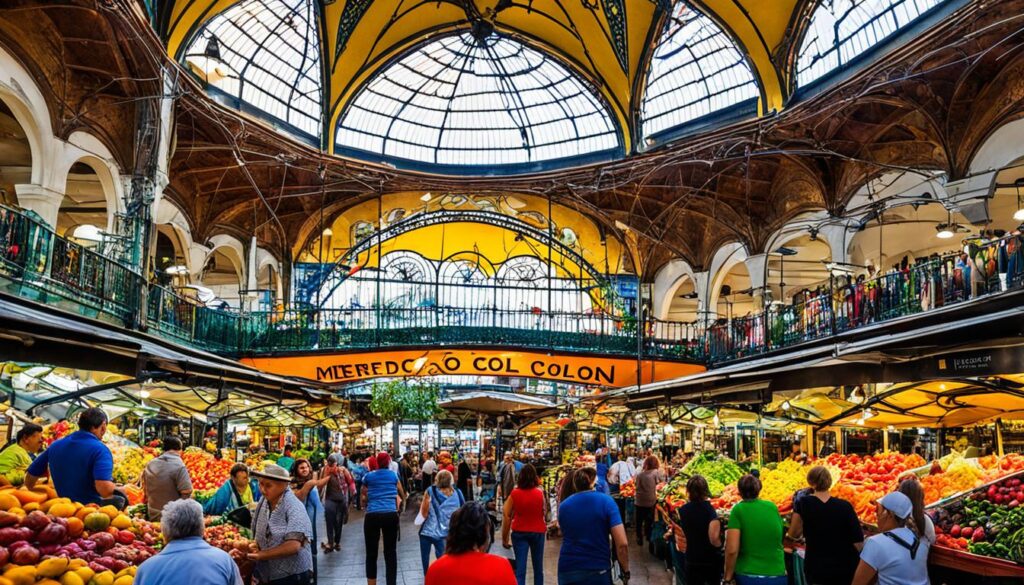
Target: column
45, 202
838, 239
702, 286
757, 269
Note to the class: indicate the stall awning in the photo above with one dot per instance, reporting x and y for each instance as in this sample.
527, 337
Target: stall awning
491, 402
955, 402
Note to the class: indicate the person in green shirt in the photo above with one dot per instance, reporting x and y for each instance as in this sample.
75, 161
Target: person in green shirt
753, 539
16, 457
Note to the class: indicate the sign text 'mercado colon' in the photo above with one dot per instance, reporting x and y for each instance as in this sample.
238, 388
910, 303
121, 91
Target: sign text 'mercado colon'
568, 369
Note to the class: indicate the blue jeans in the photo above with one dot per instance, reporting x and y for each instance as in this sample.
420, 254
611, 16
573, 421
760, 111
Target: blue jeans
752, 580
425, 543
534, 543
585, 577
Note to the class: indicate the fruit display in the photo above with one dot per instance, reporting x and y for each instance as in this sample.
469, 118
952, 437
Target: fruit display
52, 540
718, 471
862, 480
988, 522
57, 430
955, 476
230, 538
207, 472
129, 461
672, 494
628, 489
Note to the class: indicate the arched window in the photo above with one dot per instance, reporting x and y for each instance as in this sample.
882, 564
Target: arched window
840, 30
266, 55
696, 70
459, 100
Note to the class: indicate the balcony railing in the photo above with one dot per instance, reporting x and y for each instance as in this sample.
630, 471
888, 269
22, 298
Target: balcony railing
43, 266
37, 263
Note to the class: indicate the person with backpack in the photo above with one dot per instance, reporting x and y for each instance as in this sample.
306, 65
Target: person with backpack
337, 494
897, 555
440, 501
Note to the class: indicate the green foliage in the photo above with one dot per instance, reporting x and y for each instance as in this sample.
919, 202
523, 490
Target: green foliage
399, 400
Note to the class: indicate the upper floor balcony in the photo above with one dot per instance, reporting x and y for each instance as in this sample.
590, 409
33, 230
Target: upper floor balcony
38, 264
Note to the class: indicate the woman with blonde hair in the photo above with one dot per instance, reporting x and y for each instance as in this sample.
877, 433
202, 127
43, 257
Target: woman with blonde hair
440, 501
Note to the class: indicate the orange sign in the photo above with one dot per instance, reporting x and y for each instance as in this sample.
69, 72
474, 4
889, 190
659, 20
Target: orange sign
352, 367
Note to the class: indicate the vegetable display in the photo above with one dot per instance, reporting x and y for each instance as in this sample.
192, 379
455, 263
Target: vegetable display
988, 522
718, 471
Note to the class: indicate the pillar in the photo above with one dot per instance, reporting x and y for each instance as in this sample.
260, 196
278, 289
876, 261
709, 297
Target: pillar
702, 286
45, 202
838, 239
757, 269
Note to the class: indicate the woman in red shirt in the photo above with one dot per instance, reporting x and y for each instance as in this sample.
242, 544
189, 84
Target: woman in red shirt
524, 525
465, 561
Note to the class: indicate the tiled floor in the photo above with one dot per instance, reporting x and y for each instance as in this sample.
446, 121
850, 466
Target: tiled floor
347, 566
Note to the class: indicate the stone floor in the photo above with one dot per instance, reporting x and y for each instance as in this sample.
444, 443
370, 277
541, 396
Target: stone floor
347, 566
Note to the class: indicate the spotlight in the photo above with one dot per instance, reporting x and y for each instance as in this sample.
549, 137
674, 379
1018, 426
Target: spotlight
144, 394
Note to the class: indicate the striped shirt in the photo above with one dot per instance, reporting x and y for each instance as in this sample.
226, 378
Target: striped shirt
287, 521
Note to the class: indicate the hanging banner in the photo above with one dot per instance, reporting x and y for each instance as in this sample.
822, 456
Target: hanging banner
573, 368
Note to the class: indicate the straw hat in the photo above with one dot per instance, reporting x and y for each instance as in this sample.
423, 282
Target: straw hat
273, 472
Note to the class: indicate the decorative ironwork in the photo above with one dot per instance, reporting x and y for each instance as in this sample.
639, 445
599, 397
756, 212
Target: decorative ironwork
615, 14
350, 17
342, 269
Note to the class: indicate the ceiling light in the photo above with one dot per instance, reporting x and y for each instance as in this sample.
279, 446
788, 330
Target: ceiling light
867, 413
212, 49
855, 396
87, 233
328, 232
426, 197
786, 405
860, 422
144, 394
944, 231
1019, 214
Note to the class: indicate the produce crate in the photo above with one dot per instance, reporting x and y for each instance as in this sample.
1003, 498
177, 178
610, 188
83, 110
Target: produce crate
1001, 524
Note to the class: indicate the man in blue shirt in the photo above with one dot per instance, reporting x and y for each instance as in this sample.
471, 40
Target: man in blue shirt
588, 519
80, 465
187, 558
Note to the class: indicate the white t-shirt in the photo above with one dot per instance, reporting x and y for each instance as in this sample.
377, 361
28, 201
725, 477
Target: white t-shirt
429, 466
892, 560
393, 466
621, 471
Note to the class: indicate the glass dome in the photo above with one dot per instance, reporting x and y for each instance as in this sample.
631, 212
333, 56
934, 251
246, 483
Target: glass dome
696, 70
263, 56
841, 30
460, 101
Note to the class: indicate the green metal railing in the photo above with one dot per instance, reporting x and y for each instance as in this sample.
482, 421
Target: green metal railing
37, 263
41, 265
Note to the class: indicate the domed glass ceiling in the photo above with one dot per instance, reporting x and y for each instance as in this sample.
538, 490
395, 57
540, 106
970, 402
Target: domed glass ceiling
266, 55
458, 100
841, 30
696, 69
547, 84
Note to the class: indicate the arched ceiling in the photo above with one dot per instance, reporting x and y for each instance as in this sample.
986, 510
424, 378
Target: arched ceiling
606, 41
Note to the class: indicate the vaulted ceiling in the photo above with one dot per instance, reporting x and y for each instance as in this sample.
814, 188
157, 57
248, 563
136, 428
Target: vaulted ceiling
607, 42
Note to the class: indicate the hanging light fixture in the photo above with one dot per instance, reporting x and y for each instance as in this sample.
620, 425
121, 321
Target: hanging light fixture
1019, 214
947, 230
213, 49
144, 394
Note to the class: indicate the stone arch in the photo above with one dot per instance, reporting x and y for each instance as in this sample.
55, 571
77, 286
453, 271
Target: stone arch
724, 260
669, 279
20, 93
